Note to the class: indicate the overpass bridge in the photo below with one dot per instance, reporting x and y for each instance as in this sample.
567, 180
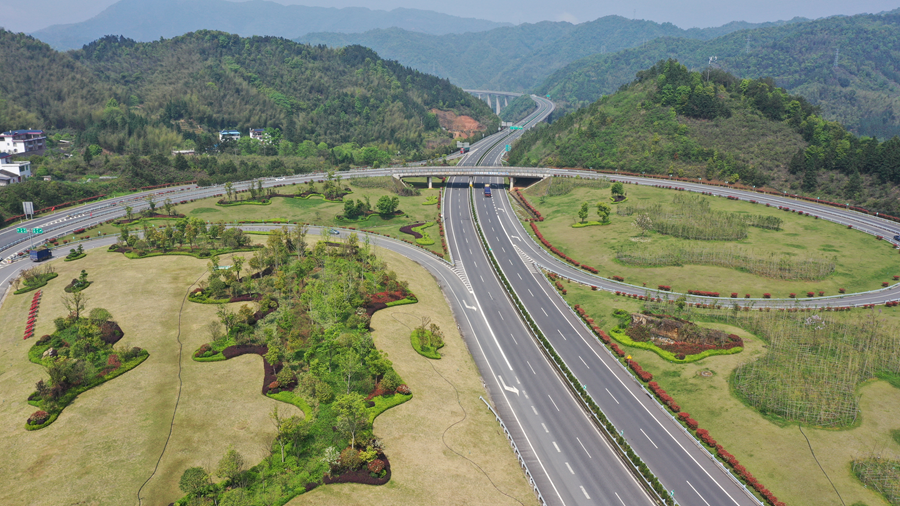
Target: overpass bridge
471, 172
496, 96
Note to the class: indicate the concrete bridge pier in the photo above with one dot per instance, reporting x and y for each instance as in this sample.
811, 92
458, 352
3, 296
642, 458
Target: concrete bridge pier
429, 182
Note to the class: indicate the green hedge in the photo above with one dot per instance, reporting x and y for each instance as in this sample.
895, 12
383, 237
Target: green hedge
384, 403
76, 257
70, 396
245, 203
290, 398
430, 200
432, 354
135, 256
402, 302
590, 224
623, 338
425, 240
35, 287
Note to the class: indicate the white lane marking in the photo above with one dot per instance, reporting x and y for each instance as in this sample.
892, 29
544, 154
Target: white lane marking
510, 262
501, 315
583, 448
557, 447
504, 249
611, 395
570, 468
515, 237
517, 381
648, 438
473, 308
545, 312
583, 362
491, 296
529, 291
560, 333
514, 339
698, 493
507, 388
545, 428
620, 499
554, 403
470, 251
532, 368
520, 276
467, 242
584, 492
532, 408
482, 278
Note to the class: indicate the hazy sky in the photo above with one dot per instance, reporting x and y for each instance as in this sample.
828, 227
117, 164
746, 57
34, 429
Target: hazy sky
28, 16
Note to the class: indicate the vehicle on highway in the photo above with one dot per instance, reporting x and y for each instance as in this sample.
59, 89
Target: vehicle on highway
39, 255
463, 151
487, 190
333, 231
897, 237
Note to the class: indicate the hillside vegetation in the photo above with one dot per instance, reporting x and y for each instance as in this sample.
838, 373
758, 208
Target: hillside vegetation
144, 98
848, 66
515, 58
715, 126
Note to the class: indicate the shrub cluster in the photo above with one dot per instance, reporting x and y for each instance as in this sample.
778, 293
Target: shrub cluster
641, 373
703, 293
531, 208
552, 248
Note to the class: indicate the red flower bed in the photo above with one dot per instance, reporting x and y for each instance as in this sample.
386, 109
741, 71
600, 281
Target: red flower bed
703, 293
665, 288
810, 294
733, 295
841, 290
641, 373
616, 349
769, 295
617, 278
884, 283
38, 417
78, 231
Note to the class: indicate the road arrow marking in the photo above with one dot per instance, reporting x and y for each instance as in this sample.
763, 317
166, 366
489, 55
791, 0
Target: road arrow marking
473, 308
511, 389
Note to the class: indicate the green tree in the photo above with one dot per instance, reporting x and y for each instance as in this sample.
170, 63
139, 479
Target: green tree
169, 207
617, 189
603, 211
387, 205
583, 212
230, 466
88, 156
194, 481
351, 415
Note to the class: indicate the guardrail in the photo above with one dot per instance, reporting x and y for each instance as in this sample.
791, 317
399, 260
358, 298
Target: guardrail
515, 448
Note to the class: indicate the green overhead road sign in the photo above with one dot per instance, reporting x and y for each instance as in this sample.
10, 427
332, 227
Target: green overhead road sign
37, 230
516, 128
22, 230
507, 147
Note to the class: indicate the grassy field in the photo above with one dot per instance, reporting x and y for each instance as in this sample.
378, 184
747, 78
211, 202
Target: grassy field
106, 444
862, 262
445, 418
768, 447
318, 211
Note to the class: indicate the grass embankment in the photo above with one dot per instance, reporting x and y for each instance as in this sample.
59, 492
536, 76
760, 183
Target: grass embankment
861, 261
318, 211
766, 446
424, 470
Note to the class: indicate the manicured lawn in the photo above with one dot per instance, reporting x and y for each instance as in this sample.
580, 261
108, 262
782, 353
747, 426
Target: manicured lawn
318, 211
774, 451
862, 261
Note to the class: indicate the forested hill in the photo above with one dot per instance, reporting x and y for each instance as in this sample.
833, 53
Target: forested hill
151, 97
718, 127
848, 66
145, 21
516, 58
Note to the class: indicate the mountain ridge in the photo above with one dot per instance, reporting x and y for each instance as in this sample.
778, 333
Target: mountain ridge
144, 22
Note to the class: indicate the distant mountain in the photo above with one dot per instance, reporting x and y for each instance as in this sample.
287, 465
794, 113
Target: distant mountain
145, 21
848, 66
515, 58
149, 97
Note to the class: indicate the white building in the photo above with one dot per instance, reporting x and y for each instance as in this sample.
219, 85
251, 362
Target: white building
258, 133
19, 142
13, 172
229, 134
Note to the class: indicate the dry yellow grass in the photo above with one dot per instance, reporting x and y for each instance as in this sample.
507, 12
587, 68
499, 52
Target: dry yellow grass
425, 471
106, 444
